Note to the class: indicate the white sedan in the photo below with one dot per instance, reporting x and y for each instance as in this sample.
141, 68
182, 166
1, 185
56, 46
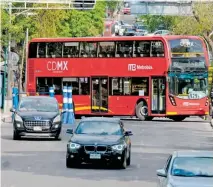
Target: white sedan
187, 169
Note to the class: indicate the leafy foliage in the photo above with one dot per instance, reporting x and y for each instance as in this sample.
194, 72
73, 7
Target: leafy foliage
158, 22
54, 23
201, 23
86, 23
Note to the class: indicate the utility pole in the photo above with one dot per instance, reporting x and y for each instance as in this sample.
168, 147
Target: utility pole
9, 68
26, 44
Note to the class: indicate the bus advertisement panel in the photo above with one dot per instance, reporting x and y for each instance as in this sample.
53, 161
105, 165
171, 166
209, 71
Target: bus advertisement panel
131, 76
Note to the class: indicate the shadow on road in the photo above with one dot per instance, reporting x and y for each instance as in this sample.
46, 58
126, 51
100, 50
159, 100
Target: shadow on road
52, 163
163, 120
7, 137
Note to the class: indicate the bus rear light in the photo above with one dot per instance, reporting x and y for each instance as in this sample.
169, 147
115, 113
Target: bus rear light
207, 101
172, 100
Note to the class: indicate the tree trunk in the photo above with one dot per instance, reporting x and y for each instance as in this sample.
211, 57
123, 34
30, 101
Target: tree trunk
209, 40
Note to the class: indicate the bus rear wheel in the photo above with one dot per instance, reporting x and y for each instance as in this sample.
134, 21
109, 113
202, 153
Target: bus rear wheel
141, 111
178, 118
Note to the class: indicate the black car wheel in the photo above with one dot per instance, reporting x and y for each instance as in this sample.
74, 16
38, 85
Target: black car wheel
16, 136
123, 163
57, 137
70, 163
129, 158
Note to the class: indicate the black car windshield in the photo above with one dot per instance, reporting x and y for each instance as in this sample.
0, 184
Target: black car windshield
193, 167
38, 104
99, 128
142, 27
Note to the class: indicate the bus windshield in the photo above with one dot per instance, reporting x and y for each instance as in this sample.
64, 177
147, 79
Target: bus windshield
188, 85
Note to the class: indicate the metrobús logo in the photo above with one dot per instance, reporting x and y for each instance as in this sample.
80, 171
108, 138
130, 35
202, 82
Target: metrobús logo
134, 67
190, 104
57, 65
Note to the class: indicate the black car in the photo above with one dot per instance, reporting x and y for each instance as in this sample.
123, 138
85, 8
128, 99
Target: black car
37, 116
129, 32
99, 139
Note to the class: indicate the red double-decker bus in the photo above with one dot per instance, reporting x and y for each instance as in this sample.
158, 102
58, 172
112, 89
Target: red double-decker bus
147, 77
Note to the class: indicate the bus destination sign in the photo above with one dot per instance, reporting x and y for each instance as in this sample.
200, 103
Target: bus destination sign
183, 64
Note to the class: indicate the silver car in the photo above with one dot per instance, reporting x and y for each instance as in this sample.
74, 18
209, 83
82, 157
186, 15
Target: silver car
187, 169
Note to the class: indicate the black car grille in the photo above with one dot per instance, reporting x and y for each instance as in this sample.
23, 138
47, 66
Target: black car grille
45, 125
95, 148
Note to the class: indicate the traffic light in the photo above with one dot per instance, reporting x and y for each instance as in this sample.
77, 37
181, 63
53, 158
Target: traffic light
84, 4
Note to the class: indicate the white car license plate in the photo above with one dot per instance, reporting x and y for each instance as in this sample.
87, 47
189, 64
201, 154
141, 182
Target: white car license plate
37, 128
95, 156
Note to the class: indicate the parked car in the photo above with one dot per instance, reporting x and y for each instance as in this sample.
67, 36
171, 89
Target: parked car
122, 29
117, 27
187, 168
137, 24
99, 139
160, 32
141, 29
129, 32
37, 116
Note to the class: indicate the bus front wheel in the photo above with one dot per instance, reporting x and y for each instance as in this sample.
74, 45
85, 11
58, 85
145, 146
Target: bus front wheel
178, 118
141, 111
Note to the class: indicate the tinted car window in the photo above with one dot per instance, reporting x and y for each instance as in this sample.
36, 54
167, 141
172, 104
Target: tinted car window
193, 166
40, 104
99, 128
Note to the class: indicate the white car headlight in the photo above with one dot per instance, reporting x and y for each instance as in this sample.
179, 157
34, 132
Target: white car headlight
119, 147
57, 119
18, 118
74, 146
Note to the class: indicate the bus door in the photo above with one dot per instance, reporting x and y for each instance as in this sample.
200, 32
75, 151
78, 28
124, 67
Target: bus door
158, 96
99, 95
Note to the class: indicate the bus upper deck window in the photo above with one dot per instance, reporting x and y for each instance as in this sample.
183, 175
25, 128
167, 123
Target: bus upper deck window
142, 49
41, 50
106, 49
71, 49
157, 49
54, 50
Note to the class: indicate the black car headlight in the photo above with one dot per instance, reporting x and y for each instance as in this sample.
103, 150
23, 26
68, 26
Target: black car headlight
73, 146
56, 121
18, 120
119, 147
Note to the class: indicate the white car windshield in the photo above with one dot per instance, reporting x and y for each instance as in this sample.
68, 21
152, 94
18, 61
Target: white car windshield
193, 167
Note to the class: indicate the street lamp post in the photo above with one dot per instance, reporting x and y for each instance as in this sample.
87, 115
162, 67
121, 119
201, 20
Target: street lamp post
9, 73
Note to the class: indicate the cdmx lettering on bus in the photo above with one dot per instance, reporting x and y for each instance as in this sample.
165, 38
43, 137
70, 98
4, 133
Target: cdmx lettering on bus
57, 65
134, 67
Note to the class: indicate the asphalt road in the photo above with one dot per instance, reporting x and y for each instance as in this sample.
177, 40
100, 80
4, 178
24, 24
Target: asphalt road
42, 162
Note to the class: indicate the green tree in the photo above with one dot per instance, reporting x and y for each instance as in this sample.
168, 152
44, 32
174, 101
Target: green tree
47, 23
86, 23
200, 23
155, 21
